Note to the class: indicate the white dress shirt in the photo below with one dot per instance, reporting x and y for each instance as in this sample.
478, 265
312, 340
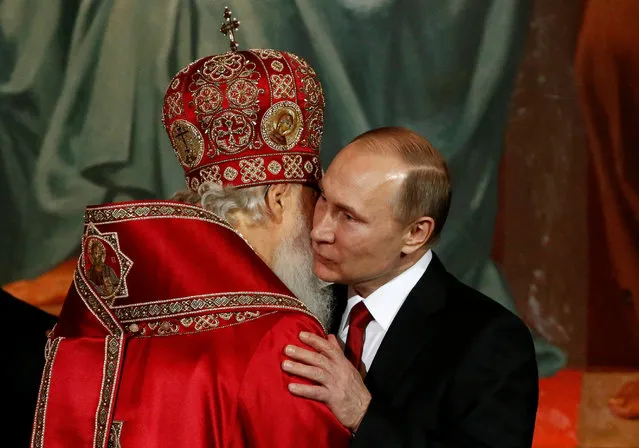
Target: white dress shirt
383, 304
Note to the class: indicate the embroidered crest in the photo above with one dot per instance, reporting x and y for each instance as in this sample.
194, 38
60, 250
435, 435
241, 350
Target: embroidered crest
104, 264
187, 142
282, 125
232, 132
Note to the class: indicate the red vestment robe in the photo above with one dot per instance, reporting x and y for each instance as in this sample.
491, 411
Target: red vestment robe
186, 349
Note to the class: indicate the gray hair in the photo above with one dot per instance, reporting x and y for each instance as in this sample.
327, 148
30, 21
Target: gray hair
426, 190
226, 202
293, 259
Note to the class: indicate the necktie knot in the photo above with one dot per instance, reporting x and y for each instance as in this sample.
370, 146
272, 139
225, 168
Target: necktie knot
360, 317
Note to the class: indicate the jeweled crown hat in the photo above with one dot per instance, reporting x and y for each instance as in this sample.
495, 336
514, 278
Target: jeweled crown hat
246, 118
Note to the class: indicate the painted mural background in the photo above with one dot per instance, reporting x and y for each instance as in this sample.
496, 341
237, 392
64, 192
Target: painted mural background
545, 211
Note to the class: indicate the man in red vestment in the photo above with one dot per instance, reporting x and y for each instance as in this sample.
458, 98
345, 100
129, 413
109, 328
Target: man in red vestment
184, 348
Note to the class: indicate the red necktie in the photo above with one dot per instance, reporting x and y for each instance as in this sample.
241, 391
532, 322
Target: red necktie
359, 318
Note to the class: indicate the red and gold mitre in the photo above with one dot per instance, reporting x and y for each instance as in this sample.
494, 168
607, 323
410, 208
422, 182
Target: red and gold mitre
246, 118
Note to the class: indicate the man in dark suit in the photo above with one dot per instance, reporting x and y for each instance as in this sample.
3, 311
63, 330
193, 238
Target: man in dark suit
23, 329
428, 361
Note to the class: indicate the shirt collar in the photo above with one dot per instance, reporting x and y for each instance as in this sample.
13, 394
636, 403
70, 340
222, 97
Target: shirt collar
384, 303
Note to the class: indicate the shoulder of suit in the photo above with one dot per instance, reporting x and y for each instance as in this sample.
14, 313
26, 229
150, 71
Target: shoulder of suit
475, 307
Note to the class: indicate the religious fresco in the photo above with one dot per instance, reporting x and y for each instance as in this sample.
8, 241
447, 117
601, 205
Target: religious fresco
81, 90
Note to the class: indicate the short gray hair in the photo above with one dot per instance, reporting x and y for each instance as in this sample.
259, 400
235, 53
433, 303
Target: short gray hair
426, 190
226, 202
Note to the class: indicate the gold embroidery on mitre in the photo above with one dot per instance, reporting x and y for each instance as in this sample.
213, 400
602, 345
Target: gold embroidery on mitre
231, 132
211, 174
274, 167
230, 128
293, 167
277, 66
283, 86
309, 167
243, 93
264, 53
313, 102
230, 174
252, 170
174, 104
187, 142
208, 99
223, 67
282, 125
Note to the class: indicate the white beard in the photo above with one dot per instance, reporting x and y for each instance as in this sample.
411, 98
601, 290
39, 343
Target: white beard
293, 264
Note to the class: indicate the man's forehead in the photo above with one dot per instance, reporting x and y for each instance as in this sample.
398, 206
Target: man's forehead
360, 189
365, 170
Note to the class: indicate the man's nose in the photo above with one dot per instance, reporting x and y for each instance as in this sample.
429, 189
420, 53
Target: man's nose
322, 227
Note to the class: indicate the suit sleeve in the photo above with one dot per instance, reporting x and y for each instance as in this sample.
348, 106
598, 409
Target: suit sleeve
269, 415
494, 392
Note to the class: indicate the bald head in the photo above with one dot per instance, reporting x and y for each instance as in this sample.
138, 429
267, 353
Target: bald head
424, 183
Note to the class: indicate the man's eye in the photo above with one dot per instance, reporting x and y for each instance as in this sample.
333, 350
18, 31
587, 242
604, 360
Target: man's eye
349, 217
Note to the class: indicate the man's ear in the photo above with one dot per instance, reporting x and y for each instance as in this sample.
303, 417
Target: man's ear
418, 234
277, 199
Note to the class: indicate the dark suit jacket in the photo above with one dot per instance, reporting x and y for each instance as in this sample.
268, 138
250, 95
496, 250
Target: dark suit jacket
455, 369
23, 332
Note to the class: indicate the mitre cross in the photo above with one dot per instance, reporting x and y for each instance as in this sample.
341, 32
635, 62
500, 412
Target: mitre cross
230, 26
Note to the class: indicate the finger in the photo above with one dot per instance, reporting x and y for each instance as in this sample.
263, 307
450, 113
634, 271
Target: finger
338, 351
318, 343
317, 393
334, 342
303, 371
306, 356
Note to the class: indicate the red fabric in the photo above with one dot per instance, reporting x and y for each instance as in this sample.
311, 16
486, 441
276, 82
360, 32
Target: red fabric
223, 115
177, 384
358, 320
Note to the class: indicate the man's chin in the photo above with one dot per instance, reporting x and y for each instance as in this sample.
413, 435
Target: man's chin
324, 273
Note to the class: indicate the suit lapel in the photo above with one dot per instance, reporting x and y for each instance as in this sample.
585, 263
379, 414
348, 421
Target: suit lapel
410, 330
